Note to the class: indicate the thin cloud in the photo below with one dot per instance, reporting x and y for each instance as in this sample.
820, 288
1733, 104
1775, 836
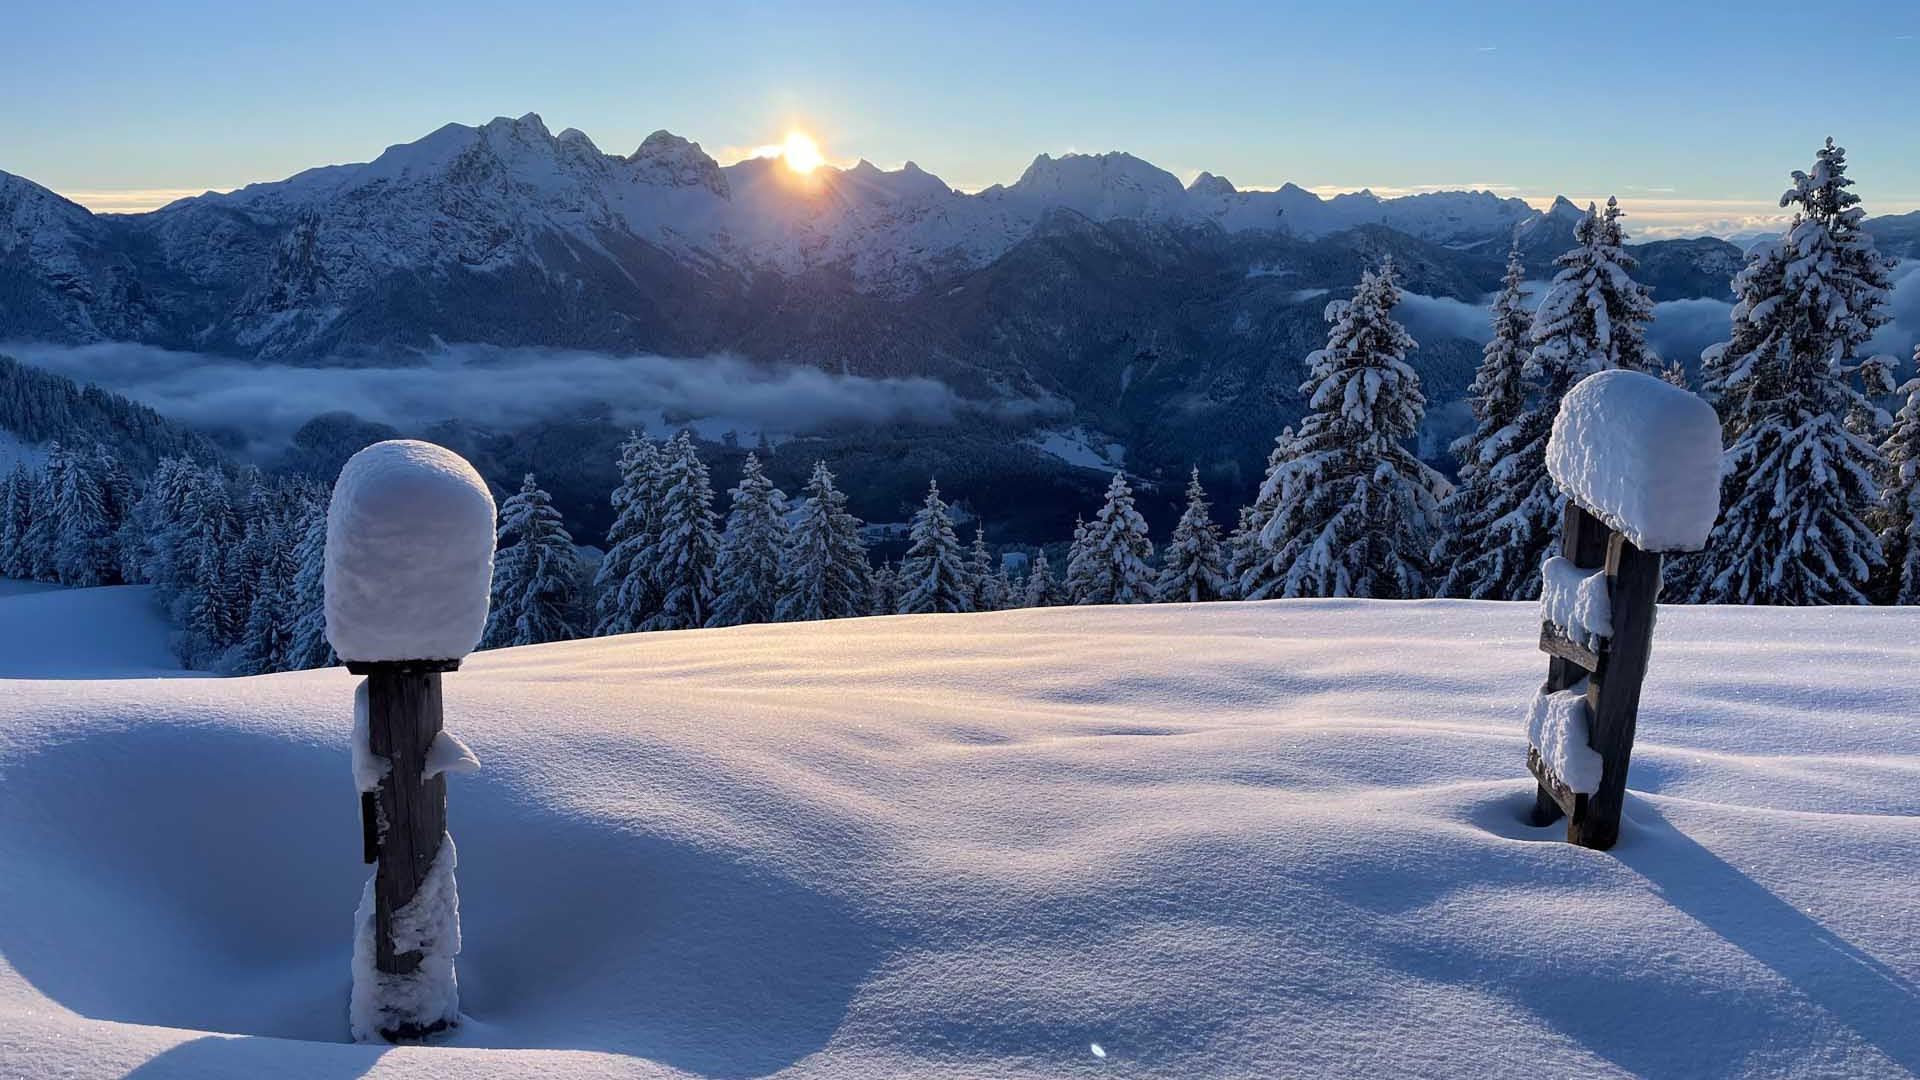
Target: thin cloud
130, 200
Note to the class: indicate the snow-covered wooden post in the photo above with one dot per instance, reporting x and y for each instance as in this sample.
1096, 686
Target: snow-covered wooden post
409, 562
1639, 460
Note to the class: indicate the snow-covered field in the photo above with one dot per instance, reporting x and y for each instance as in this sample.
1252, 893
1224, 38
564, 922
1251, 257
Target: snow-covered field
1257, 840
47, 632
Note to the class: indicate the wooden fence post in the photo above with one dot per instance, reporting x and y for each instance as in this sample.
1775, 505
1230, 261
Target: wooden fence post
409, 560
404, 716
1639, 462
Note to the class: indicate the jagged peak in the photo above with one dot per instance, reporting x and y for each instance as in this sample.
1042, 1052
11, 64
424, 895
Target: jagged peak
670, 159
1208, 184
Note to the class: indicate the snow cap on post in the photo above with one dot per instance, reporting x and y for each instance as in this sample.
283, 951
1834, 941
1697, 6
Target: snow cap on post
409, 563
1641, 455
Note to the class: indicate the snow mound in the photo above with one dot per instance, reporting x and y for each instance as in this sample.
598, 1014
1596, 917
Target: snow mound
115, 631
1642, 455
1237, 840
409, 554
1576, 601
1558, 727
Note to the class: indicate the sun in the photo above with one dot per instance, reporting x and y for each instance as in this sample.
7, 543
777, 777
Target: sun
801, 153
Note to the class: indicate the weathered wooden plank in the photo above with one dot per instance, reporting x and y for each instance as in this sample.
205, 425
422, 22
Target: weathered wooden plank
1553, 790
1613, 696
1555, 642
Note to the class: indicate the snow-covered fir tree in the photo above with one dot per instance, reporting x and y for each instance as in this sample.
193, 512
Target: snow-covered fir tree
1006, 591
1798, 487
1192, 570
1114, 563
1075, 584
933, 575
1594, 315
266, 640
1353, 510
747, 572
1483, 549
1675, 374
883, 590
309, 647
16, 520
1040, 589
824, 571
983, 582
209, 605
624, 585
1899, 519
686, 544
535, 572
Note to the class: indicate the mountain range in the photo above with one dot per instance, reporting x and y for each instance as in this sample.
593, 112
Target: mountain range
1171, 318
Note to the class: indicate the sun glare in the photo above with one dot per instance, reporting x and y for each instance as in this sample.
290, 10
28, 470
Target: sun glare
802, 154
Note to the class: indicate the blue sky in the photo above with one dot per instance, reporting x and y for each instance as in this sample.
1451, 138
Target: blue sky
1687, 112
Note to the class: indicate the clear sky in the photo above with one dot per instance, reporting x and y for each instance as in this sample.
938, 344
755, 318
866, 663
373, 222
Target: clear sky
1690, 112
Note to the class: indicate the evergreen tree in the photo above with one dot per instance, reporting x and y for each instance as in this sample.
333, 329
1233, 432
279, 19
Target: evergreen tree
883, 590
624, 583
309, 647
1005, 592
1244, 553
983, 583
42, 547
685, 545
1115, 567
1594, 315
824, 573
1192, 571
208, 602
748, 567
1900, 516
1353, 511
1040, 590
1675, 374
1079, 568
16, 519
266, 640
1798, 487
933, 575
535, 572
1479, 544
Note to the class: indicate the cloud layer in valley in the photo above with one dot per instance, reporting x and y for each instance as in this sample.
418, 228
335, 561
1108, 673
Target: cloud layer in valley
502, 388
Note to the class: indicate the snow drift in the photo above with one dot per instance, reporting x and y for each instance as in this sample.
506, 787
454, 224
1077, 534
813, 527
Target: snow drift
1281, 839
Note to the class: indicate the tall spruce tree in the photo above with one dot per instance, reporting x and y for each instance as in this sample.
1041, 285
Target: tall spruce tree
747, 571
266, 640
883, 590
1798, 486
624, 584
1115, 569
1076, 583
824, 570
1192, 570
536, 572
1484, 549
1040, 589
686, 544
1899, 519
309, 647
1353, 511
933, 575
983, 580
16, 519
